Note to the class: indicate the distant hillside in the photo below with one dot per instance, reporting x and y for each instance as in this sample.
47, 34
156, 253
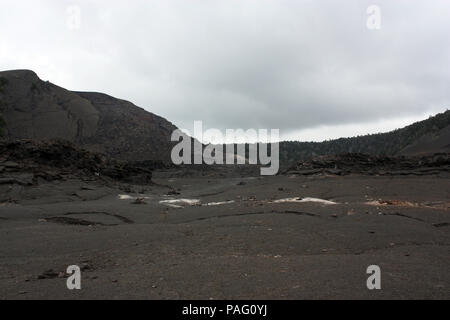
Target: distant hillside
33, 109
429, 136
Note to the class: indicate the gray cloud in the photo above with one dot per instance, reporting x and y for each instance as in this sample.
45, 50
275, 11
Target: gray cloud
293, 65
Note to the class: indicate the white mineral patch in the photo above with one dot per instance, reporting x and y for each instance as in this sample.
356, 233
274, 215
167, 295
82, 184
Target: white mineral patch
125, 197
302, 200
190, 202
373, 203
128, 197
218, 203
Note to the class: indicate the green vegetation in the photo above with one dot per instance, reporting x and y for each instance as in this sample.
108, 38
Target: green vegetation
380, 144
388, 143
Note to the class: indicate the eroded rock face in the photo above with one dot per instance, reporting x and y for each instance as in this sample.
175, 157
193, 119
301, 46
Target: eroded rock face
128, 132
38, 110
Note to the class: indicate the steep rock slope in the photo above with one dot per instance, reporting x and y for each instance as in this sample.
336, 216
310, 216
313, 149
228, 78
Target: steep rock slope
33, 109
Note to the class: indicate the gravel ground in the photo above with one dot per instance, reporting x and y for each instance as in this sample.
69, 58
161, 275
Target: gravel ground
229, 238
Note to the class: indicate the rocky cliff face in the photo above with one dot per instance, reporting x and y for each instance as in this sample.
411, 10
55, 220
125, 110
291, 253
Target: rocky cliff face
25, 162
38, 110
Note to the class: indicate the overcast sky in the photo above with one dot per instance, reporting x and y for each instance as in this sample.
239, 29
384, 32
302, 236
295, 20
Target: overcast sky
313, 68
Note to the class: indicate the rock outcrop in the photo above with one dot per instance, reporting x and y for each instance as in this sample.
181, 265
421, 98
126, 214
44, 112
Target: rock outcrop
38, 110
54, 160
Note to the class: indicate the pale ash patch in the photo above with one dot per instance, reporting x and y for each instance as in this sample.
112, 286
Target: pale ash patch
180, 203
128, 197
218, 203
303, 200
190, 202
125, 197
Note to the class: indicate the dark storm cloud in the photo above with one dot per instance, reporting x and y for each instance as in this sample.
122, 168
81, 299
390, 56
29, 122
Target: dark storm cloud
292, 65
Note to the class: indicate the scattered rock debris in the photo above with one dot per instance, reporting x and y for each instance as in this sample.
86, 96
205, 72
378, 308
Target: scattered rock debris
139, 201
442, 224
48, 274
402, 203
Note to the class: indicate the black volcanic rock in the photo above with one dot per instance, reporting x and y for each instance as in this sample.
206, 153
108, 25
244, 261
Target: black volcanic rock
52, 159
358, 163
127, 132
38, 110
